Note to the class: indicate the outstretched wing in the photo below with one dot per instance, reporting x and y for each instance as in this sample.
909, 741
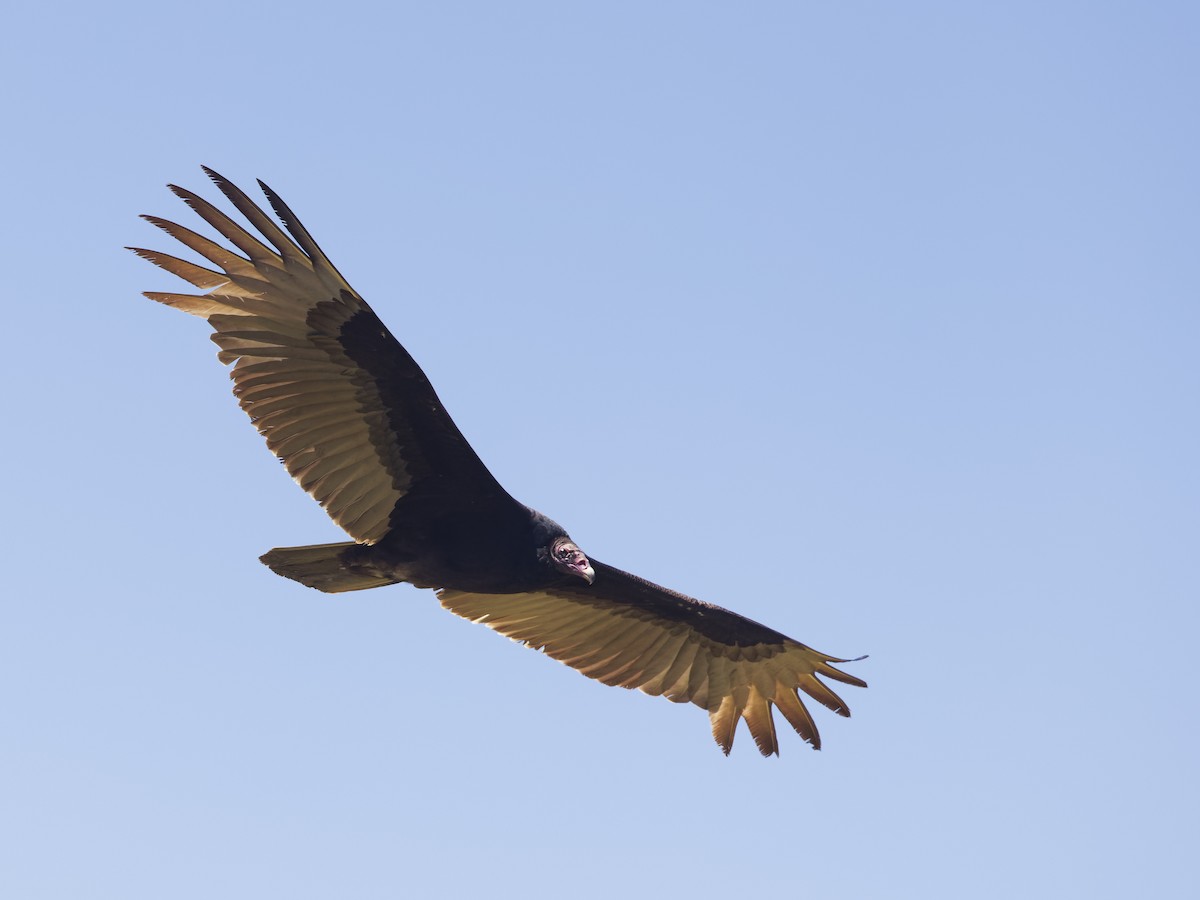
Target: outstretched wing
628, 632
340, 402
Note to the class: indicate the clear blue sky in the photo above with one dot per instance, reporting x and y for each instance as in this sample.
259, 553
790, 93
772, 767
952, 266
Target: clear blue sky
882, 326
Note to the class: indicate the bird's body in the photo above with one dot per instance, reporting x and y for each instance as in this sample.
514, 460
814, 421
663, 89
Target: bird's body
358, 425
493, 551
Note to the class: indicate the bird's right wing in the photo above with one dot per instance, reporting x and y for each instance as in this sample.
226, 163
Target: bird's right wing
338, 399
627, 632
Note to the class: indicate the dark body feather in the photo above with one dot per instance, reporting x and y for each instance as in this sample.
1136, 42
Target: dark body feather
358, 425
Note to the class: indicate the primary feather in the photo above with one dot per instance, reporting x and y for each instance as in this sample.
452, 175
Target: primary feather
360, 428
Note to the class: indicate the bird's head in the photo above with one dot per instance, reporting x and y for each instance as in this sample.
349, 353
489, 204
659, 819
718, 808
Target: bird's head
566, 557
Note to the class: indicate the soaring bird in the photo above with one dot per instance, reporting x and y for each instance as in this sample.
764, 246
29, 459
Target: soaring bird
356, 422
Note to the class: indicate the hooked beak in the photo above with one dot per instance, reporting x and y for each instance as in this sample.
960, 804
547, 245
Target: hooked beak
567, 557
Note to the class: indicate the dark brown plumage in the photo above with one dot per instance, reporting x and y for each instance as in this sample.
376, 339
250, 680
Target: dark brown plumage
358, 425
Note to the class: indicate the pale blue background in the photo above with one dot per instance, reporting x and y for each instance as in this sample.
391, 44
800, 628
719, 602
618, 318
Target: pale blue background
877, 322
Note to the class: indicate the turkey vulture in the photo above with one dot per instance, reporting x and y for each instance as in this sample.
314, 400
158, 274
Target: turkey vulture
358, 425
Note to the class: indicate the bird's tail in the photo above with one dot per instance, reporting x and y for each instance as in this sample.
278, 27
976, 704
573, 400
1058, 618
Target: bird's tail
324, 567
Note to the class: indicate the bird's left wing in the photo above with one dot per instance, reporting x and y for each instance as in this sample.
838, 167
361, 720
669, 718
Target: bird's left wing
628, 632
